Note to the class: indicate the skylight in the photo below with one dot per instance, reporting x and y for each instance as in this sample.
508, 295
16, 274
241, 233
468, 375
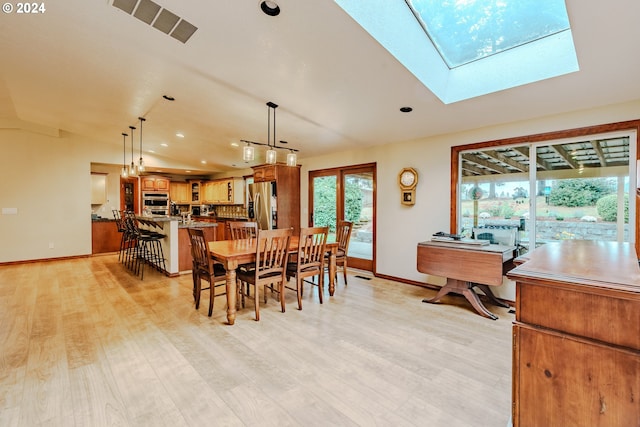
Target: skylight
461, 49
467, 30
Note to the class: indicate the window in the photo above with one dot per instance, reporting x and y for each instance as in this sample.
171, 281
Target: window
582, 187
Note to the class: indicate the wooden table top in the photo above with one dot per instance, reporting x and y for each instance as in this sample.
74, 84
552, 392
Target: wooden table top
586, 262
229, 249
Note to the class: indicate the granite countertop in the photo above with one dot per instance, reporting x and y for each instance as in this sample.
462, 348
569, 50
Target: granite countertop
197, 224
100, 219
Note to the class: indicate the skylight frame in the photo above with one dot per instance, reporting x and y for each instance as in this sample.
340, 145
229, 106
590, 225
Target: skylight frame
393, 24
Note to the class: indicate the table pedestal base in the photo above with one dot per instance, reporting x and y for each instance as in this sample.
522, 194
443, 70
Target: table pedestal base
467, 290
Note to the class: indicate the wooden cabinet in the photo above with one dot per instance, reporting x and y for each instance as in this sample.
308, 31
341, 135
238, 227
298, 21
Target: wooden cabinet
195, 192
576, 338
154, 183
265, 173
223, 191
105, 237
180, 192
287, 180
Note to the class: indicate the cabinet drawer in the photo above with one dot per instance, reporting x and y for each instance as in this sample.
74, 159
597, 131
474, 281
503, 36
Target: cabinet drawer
580, 312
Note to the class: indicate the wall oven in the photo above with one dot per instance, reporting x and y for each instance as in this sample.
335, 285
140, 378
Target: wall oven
156, 203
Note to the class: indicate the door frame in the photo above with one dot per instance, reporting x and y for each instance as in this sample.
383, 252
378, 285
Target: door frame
340, 172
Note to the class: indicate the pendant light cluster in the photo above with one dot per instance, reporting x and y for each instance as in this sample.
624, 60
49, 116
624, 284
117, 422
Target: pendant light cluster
271, 157
133, 169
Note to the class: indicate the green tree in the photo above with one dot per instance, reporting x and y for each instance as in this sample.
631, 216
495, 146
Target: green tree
324, 201
607, 208
579, 192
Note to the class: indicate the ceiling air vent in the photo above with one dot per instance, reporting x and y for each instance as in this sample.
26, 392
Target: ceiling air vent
161, 19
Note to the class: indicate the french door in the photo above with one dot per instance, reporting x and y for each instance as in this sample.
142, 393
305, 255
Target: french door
347, 193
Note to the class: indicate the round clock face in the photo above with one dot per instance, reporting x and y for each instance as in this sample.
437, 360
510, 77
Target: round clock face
407, 178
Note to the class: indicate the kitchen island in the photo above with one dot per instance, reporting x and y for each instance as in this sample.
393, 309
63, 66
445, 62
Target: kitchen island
173, 247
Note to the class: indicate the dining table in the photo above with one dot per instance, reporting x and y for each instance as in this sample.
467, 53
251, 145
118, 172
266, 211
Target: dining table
232, 253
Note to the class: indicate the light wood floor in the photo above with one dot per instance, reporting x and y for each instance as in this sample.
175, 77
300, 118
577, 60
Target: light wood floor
86, 343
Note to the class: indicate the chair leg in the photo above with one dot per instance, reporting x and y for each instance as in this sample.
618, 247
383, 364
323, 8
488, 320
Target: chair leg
212, 294
198, 291
299, 292
321, 287
282, 296
256, 298
344, 270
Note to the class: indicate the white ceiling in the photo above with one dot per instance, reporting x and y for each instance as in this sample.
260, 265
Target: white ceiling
86, 67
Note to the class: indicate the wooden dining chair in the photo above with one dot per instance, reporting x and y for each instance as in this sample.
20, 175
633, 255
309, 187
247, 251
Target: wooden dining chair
309, 261
343, 236
243, 229
270, 270
204, 268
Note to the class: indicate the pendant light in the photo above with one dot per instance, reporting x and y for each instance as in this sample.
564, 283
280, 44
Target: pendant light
248, 153
132, 167
292, 158
141, 163
125, 171
271, 152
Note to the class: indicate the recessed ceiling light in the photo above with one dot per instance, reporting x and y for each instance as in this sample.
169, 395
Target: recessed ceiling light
204, 162
180, 135
168, 98
188, 171
271, 8
406, 109
151, 151
234, 144
164, 144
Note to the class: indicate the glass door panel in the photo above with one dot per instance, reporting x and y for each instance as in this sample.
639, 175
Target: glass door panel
358, 208
324, 206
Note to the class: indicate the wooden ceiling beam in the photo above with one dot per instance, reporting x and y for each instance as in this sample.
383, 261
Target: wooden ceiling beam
472, 158
507, 160
559, 149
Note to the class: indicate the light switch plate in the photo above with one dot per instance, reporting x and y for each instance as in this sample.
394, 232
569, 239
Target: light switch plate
9, 211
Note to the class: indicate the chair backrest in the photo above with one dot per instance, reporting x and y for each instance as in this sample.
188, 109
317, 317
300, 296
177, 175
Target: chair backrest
243, 229
200, 250
311, 247
343, 235
272, 252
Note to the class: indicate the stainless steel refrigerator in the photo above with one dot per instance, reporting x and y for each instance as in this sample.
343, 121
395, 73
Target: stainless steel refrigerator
263, 204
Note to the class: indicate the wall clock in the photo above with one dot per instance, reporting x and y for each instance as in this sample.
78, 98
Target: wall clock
407, 180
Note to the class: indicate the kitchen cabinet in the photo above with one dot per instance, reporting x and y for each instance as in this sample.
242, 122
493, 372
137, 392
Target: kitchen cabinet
287, 180
223, 191
105, 236
195, 192
576, 337
98, 188
180, 192
154, 183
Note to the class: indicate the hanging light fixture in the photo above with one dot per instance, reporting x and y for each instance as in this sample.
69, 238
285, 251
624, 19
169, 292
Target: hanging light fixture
141, 163
292, 158
125, 172
248, 152
132, 167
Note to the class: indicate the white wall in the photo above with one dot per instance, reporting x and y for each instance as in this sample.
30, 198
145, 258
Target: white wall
400, 228
48, 179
